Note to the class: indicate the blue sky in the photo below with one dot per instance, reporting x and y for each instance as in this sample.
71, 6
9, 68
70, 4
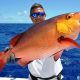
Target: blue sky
17, 11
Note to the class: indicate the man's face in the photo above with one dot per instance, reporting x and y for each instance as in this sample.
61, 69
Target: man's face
37, 15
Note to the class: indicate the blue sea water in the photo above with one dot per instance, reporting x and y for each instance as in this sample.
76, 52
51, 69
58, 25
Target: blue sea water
70, 59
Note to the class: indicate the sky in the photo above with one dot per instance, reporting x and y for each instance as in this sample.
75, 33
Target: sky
17, 11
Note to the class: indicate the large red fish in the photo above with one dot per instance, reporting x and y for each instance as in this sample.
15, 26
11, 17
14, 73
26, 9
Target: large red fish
44, 39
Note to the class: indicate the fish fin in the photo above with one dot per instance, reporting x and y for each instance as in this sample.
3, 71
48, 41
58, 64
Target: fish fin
15, 39
69, 48
57, 55
12, 58
17, 59
68, 42
22, 62
3, 60
2, 64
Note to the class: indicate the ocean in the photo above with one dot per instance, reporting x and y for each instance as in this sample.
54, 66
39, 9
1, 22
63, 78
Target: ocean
70, 59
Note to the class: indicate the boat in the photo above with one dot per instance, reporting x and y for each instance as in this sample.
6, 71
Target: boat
7, 78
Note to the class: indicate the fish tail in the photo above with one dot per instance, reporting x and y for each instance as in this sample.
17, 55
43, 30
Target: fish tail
3, 60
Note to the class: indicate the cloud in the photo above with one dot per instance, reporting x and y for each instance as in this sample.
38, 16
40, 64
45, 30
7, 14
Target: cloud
21, 13
9, 17
1, 16
25, 12
24, 16
6, 17
21, 17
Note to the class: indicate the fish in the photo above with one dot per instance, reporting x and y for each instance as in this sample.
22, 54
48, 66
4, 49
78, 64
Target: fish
44, 39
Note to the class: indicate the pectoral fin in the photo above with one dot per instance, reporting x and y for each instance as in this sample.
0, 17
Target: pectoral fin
15, 39
57, 55
67, 42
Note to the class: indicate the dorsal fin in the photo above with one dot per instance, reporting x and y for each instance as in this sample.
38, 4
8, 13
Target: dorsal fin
15, 39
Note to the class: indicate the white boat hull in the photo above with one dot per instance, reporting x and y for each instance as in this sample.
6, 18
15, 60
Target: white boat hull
7, 78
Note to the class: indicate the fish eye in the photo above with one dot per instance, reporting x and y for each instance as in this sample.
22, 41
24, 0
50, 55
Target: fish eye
69, 16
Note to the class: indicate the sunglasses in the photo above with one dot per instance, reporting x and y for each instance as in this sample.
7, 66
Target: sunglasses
40, 14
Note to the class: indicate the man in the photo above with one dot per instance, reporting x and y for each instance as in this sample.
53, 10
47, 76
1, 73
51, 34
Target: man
37, 13
47, 68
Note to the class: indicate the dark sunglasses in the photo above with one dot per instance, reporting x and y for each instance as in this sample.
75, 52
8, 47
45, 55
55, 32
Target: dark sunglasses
35, 15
